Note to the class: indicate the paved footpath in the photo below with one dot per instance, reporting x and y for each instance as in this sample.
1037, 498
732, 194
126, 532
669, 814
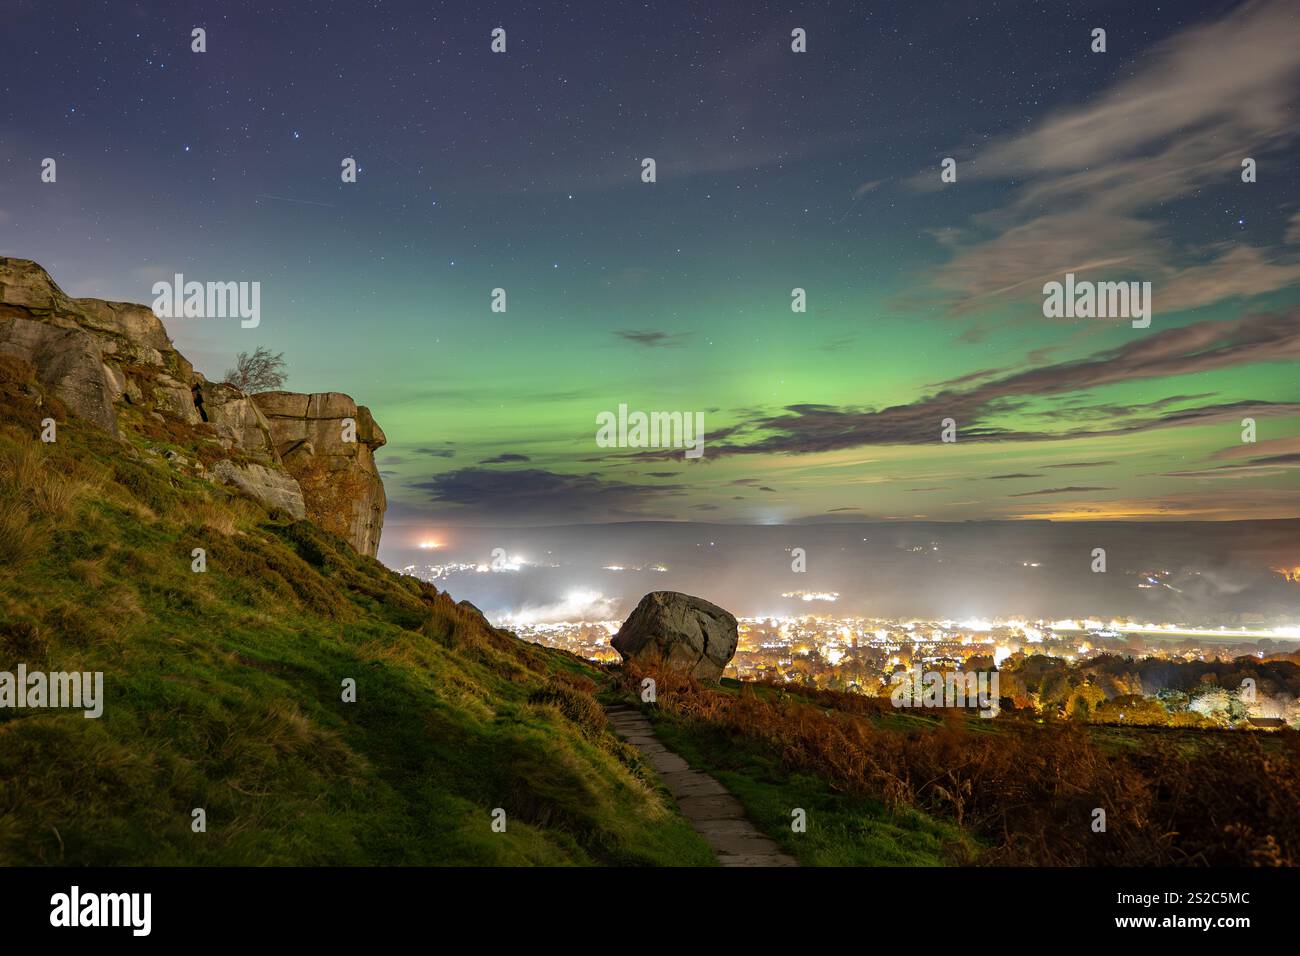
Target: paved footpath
714, 813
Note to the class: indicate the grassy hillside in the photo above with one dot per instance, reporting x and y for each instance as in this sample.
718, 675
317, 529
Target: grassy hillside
223, 690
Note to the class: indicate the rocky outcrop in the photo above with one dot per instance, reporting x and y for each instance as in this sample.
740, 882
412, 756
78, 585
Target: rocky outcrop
684, 632
327, 441
88, 352
112, 363
271, 487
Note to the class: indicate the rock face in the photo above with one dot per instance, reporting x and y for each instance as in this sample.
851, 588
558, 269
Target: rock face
236, 419
686, 632
267, 485
112, 364
333, 460
70, 363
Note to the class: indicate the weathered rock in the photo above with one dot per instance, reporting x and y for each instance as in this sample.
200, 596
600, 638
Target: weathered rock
90, 352
175, 399
339, 479
236, 417
129, 332
687, 633
69, 362
272, 487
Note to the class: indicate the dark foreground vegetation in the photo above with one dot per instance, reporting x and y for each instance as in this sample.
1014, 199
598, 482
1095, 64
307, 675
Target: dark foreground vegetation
1020, 791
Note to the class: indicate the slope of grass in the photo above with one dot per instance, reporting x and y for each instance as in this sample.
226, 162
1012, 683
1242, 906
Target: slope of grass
224, 691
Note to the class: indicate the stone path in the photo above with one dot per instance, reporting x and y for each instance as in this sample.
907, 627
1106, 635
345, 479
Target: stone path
714, 813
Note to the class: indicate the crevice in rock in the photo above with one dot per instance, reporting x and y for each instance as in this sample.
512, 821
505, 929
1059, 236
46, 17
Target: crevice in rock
197, 392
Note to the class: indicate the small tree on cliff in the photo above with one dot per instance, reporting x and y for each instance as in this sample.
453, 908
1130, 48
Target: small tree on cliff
259, 372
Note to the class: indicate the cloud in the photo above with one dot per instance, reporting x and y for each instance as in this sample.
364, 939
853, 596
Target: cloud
577, 605
1080, 464
436, 452
1272, 446
1072, 489
654, 338
837, 344
543, 495
1185, 350
1019, 474
1075, 412
504, 458
1091, 181
1275, 462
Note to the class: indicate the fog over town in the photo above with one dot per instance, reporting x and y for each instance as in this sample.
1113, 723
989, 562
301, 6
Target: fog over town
1194, 574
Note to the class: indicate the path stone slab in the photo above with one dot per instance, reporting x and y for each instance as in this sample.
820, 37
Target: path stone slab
743, 845
711, 808
637, 724
629, 729
692, 783
756, 859
647, 749
711, 828
667, 762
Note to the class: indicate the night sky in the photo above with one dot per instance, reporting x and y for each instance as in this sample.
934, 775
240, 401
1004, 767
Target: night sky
775, 170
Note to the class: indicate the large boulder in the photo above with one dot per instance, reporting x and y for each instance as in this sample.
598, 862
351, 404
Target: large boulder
684, 632
339, 478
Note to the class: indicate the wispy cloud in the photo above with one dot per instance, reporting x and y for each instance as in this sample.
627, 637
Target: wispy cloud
1092, 182
654, 338
1070, 490
1187, 350
538, 494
